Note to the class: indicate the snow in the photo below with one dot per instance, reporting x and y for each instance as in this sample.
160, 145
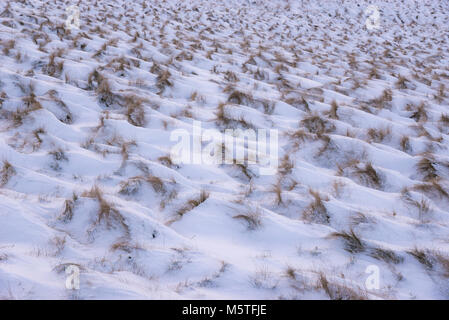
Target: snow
85, 140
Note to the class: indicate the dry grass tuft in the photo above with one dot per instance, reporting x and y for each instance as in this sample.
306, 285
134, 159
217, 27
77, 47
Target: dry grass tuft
353, 243
67, 212
130, 186
301, 104
125, 245
8, 46
316, 211
220, 114
299, 136
333, 111
163, 81
158, 185
378, 135
252, 218
59, 244
58, 155
286, 166
53, 68
277, 190
6, 173
366, 173
419, 113
336, 291
423, 206
405, 144
423, 256
107, 211
383, 100
192, 204
444, 119
240, 97
386, 255
432, 260
432, 187
426, 167
31, 104
166, 161
290, 272
105, 94
401, 82
135, 111
317, 125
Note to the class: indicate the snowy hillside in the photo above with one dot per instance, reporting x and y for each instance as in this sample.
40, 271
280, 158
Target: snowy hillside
88, 178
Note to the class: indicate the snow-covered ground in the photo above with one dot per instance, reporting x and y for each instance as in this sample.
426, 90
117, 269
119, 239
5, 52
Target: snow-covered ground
86, 178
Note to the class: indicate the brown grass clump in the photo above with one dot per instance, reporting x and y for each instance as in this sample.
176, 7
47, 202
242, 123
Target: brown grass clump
277, 190
405, 144
286, 166
125, 245
352, 241
441, 93
423, 206
401, 82
240, 97
333, 111
67, 118
252, 218
426, 167
381, 102
386, 255
231, 76
135, 111
53, 68
432, 187
220, 114
6, 173
423, 256
157, 183
432, 260
290, 272
163, 81
31, 104
105, 94
67, 212
368, 175
94, 79
378, 135
299, 136
58, 155
443, 260
419, 113
338, 188
243, 167
336, 291
317, 125
125, 146
166, 161
106, 212
130, 186
192, 204
301, 104
8, 46
37, 136
316, 211
444, 119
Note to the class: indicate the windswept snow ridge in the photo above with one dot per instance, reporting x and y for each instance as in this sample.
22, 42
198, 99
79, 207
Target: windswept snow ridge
358, 208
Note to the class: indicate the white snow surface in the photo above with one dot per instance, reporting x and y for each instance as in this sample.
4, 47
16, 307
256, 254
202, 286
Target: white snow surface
85, 122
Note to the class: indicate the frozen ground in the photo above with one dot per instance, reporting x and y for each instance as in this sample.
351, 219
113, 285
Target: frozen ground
86, 179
